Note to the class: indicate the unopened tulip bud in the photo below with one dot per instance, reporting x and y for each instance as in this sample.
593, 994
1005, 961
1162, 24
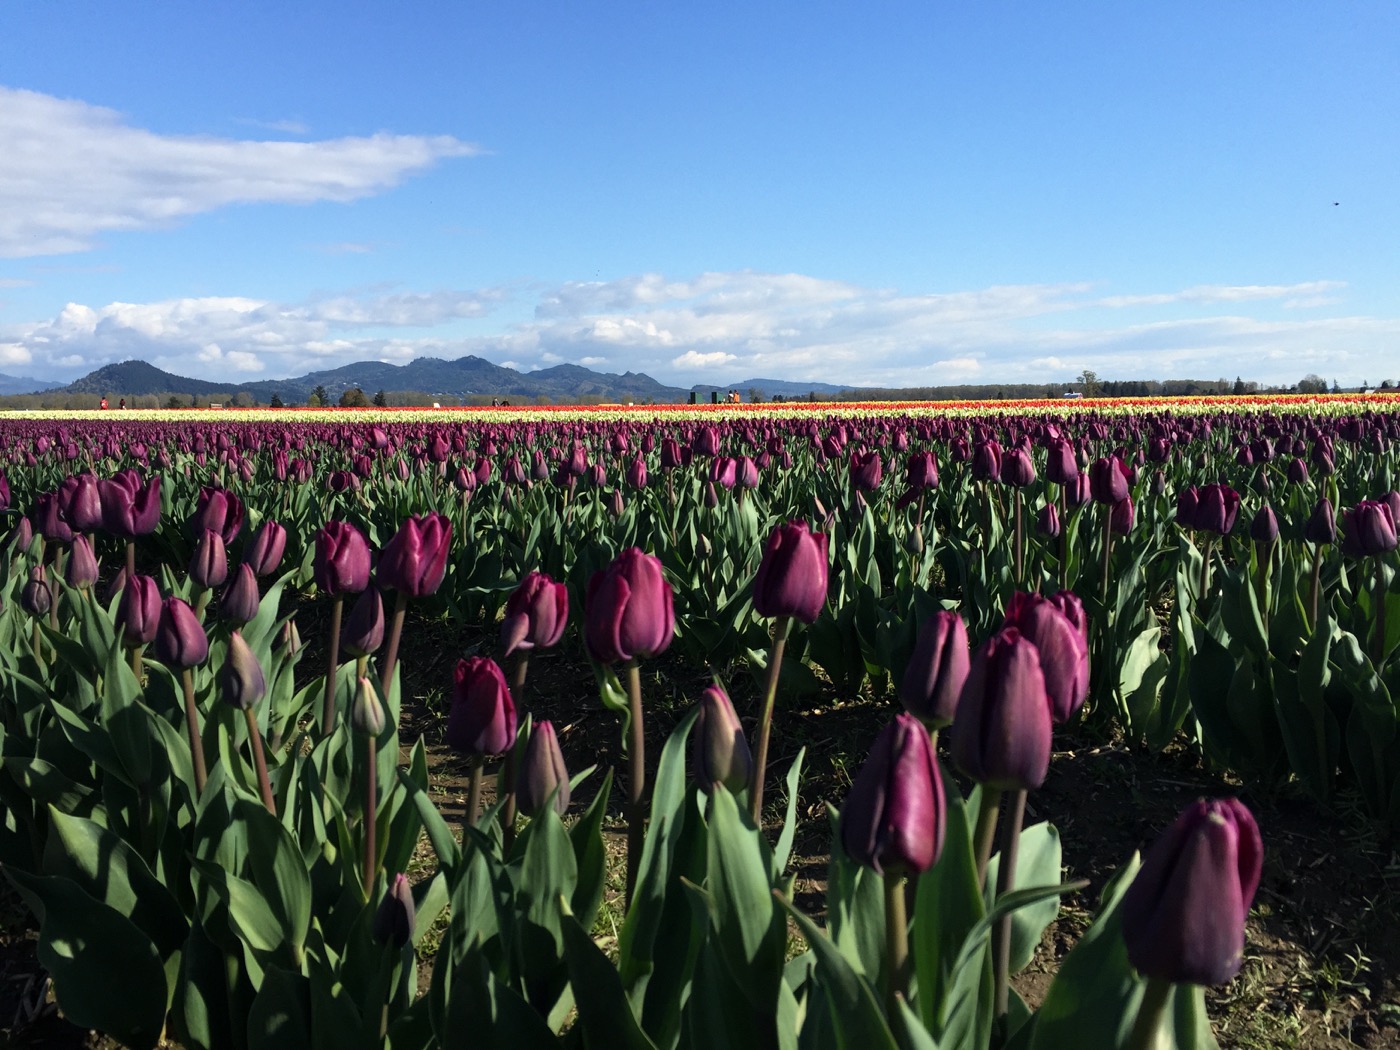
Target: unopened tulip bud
341, 564
265, 553
366, 712
1321, 526
1047, 521
138, 612
240, 601
481, 720
1368, 529
363, 632
629, 611
1062, 643
792, 577
1001, 735
209, 566
894, 818
719, 754
536, 614
542, 773
1184, 914
415, 559
1264, 528
937, 670
396, 916
36, 598
81, 570
180, 641
241, 680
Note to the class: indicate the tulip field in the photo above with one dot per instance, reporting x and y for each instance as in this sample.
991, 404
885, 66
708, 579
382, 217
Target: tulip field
1017, 725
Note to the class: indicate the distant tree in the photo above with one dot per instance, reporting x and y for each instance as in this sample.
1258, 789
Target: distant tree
243, 399
321, 397
314, 401
194, 401
1239, 386
1335, 388
381, 400
1386, 384
354, 398
275, 402
755, 395
1088, 382
1312, 383
173, 402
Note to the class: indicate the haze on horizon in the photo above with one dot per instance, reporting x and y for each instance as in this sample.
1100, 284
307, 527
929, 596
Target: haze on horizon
893, 195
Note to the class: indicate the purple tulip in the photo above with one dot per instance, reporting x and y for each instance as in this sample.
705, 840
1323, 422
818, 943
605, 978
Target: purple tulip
129, 509
363, 631
1264, 528
396, 915
1217, 509
241, 681
341, 565
1368, 529
1184, 914
1017, 470
1047, 521
81, 570
792, 577
937, 670
138, 612
36, 598
542, 773
894, 818
209, 566
866, 470
415, 560
629, 610
180, 641
241, 599
1001, 735
264, 554
219, 510
481, 720
1121, 516
1062, 642
536, 614
719, 754
1321, 526
1108, 480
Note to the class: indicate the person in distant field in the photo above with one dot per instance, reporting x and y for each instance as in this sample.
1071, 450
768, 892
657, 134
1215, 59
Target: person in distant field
495, 402
505, 403
103, 404
121, 404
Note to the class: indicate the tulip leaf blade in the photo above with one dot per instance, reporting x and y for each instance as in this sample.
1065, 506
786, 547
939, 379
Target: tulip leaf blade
604, 1013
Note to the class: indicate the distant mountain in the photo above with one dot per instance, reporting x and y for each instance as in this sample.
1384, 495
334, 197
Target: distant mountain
784, 387
24, 385
463, 377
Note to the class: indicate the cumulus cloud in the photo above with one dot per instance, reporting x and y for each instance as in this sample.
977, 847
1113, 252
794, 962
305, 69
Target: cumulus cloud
727, 327
71, 172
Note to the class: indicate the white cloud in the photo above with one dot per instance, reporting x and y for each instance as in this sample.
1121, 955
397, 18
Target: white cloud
286, 127
727, 327
15, 354
691, 359
71, 172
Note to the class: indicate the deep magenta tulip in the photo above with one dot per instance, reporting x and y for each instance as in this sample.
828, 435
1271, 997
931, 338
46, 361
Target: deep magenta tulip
866, 470
363, 632
1017, 470
1217, 509
415, 560
481, 720
894, 818
1184, 915
1321, 526
937, 670
629, 609
542, 773
264, 554
241, 599
1108, 480
129, 509
209, 566
81, 502
341, 564
138, 612
1062, 643
36, 597
81, 570
719, 754
1001, 735
180, 641
396, 915
792, 577
1368, 529
241, 680
536, 614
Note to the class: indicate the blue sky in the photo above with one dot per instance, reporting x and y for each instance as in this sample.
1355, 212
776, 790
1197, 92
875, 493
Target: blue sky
892, 194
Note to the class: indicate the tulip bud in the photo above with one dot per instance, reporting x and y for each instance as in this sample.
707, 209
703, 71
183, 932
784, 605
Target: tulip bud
986, 461
363, 631
219, 511
1077, 491
1047, 521
366, 712
629, 610
36, 598
536, 614
240, 601
1062, 643
209, 566
1001, 735
719, 754
180, 641
396, 916
1184, 914
637, 473
542, 773
1217, 509
1108, 480
138, 612
1321, 526
241, 681
81, 571
1017, 470
1368, 529
1264, 528
894, 818
415, 560
341, 565
1060, 464
264, 555
481, 720
792, 577
1121, 517
866, 470
937, 670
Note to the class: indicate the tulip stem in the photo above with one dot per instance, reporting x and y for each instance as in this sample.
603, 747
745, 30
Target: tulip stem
1378, 637
332, 662
765, 721
259, 761
1313, 591
1107, 558
1020, 553
986, 831
1006, 880
1150, 1013
391, 651
371, 811
1205, 569
636, 785
1064, 540
478, 766
507, 773
896, 942
191, 724
130, 558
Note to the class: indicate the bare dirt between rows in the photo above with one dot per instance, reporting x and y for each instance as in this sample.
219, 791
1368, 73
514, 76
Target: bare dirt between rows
1322, 966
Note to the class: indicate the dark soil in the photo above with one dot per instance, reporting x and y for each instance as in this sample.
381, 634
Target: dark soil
1322, 963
